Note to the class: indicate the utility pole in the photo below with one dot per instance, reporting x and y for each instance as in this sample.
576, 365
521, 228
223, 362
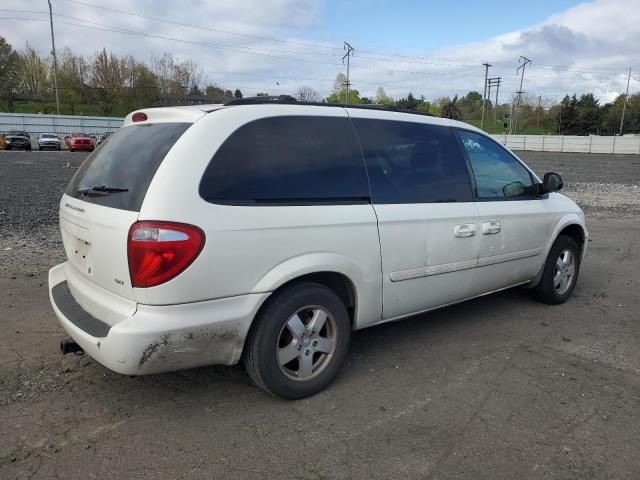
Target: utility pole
514, 124
55, 60
484, 92
626, 98
347, 55
495, 81
539, 104
524, 61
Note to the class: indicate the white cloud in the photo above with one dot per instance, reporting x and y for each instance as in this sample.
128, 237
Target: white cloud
594, 42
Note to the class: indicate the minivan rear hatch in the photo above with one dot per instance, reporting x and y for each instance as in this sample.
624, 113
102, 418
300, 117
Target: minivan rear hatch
101, 203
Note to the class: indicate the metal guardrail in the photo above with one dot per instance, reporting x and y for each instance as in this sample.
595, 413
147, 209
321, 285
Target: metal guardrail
60, 124
628, 144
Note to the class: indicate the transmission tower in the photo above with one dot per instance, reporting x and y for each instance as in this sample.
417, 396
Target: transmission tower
524, 61
347, 55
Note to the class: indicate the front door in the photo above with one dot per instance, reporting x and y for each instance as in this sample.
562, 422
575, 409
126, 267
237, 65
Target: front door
427, 219
513, 219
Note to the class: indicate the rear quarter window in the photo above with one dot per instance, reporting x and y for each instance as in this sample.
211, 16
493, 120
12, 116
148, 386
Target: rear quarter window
128, 159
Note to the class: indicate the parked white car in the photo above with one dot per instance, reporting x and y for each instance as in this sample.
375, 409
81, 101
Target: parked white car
267, 232
49, 140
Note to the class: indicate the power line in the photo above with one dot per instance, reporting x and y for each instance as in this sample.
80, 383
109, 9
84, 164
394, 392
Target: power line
200, 27
470, 62
114, 29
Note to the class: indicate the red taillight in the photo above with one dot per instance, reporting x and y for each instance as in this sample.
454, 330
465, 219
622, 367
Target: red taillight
160, 251
139, 117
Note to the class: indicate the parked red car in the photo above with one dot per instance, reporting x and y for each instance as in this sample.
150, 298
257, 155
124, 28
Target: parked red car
80, 141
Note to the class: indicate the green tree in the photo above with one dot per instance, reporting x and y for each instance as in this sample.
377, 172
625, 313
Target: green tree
339, 92
237, 93
568, 115
589, 117
409, 103
9, 74
471, 105
382, 98
450, 109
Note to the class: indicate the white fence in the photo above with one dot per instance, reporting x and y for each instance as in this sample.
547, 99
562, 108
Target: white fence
571, 143
61, 124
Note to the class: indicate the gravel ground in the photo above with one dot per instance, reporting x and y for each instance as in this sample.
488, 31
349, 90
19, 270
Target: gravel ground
603, 185
498, 387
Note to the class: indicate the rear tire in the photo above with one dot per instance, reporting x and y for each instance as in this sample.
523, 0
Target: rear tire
286, 354
560, 272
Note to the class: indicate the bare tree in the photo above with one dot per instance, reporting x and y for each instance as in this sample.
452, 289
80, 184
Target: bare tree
35, 73
308, 94
108, 79
73, 75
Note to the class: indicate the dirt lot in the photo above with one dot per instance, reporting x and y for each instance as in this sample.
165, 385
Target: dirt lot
498, 387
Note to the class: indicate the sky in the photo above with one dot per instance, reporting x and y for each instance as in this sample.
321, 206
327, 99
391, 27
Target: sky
430, 48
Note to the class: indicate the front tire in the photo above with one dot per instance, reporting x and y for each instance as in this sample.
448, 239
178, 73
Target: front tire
299, 341
560, 272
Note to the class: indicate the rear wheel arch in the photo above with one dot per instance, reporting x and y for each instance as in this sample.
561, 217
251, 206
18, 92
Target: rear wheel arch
337, 282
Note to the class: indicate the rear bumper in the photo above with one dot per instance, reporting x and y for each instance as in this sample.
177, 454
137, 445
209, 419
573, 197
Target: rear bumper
158, 339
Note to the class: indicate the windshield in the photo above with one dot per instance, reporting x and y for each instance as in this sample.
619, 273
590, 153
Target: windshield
124, 165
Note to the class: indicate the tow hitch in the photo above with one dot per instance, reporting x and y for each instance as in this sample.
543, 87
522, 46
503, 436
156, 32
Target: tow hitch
69, 346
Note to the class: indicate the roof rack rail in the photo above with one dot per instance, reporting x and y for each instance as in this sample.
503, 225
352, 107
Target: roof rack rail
289, 100
261, 99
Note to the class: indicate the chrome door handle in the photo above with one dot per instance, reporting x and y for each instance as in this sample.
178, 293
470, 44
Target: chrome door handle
491, 227
464, 230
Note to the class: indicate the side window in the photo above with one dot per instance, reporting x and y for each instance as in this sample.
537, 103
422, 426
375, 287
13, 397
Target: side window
290, 159
497, 173
413, 162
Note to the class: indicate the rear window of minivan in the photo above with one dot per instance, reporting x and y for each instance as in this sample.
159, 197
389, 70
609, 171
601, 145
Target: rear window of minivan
127, 160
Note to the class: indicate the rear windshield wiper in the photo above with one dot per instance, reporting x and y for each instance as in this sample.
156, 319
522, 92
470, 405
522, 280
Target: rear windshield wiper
101, 190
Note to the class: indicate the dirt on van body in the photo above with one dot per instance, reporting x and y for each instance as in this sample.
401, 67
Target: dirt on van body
498, 387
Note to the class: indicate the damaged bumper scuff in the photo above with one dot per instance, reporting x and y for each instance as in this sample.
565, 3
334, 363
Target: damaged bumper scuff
170, 337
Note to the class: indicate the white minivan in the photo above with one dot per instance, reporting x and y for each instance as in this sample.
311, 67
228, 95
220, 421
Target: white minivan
266, 230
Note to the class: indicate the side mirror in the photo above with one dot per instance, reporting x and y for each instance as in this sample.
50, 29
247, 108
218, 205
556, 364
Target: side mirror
552, 182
